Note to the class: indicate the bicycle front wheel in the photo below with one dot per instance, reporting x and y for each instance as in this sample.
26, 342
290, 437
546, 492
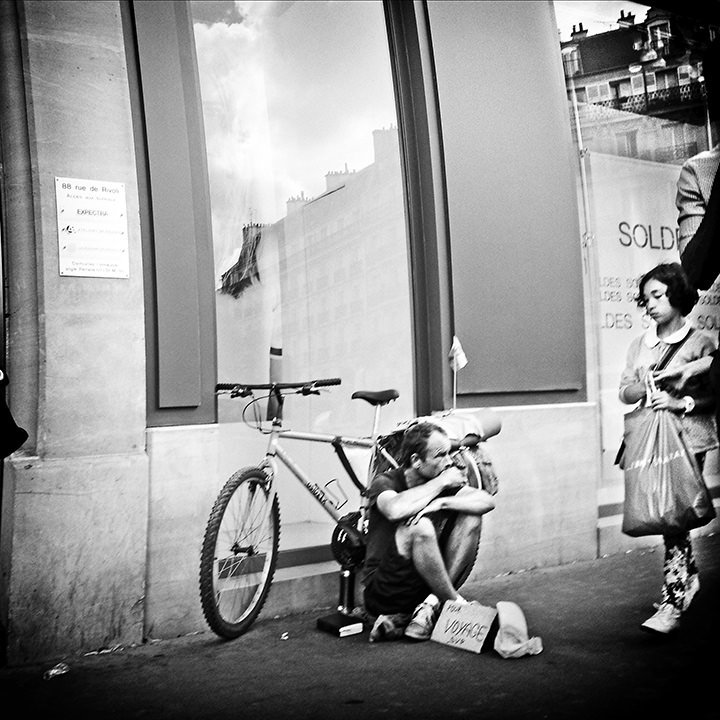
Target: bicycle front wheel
239, 553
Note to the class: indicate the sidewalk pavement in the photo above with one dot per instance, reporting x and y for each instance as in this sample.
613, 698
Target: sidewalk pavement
596, 662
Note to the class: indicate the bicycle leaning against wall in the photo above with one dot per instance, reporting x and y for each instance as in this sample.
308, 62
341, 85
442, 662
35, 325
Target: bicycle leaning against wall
240, 547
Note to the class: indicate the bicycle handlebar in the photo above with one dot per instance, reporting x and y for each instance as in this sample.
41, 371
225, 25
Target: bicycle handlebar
469, 441
305, 387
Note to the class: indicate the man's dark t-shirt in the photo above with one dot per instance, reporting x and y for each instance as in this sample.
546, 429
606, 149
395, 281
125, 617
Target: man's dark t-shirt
381, 531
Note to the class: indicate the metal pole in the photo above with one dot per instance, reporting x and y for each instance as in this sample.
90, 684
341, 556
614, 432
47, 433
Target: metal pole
454, 389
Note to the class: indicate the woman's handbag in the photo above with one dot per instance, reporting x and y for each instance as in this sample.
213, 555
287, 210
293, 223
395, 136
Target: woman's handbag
665, 493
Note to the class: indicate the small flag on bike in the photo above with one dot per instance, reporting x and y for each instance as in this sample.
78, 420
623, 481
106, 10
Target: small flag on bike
457, 357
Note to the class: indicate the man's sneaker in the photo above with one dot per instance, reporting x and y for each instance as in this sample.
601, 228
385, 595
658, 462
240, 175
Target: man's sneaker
389, 627
664, 621
423, 621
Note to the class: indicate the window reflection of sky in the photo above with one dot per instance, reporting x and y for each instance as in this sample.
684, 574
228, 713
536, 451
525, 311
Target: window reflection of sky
290, 93
295, 97
596, 17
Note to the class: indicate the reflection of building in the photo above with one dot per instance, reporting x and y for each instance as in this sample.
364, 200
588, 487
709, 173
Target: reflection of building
244, 272
339, 253
322, 283
639, 88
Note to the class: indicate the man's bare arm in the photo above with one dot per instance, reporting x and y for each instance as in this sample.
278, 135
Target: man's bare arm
470, 501
406, 503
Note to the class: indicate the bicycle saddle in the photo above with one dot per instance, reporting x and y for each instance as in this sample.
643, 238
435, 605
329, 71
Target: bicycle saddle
379, 397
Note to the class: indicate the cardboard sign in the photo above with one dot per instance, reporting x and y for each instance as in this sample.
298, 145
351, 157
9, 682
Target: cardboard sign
464, 625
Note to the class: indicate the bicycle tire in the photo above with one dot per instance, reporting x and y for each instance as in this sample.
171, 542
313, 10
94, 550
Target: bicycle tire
474, 480
239, 553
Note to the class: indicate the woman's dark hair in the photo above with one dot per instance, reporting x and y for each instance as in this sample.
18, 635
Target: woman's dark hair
415, 441
681, 294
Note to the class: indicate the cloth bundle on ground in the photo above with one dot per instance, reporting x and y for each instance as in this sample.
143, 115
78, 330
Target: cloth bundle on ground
512, 640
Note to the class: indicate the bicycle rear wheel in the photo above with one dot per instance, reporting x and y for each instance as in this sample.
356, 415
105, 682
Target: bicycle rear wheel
239, 553
474, 480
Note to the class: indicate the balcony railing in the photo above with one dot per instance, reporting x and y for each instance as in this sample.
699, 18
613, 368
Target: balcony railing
657, 100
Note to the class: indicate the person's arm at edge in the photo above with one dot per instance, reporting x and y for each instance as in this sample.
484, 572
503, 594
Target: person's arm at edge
683, 373
690, 204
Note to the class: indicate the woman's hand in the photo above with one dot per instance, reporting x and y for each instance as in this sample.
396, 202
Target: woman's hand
661, 400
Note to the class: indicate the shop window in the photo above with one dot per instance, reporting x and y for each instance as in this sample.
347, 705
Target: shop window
305, 176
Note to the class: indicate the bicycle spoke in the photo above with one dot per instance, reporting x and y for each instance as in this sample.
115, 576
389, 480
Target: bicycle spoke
244, 530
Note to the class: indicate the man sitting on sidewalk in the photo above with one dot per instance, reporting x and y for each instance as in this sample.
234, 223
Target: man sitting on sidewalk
423, 530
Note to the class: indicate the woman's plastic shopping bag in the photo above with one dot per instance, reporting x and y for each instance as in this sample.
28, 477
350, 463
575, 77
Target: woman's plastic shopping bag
665, 493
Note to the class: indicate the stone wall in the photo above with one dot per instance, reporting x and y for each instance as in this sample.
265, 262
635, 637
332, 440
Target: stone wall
75, 499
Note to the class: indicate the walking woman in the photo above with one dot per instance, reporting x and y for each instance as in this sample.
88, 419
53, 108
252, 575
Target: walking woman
667, 297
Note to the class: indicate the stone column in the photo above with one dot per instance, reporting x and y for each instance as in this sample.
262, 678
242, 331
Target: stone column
75, 498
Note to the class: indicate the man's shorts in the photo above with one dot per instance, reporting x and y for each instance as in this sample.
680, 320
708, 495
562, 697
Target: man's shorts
396, 586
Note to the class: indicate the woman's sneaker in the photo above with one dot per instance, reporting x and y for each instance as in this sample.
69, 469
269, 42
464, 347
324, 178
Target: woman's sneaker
664, 621
693, 587
423, 621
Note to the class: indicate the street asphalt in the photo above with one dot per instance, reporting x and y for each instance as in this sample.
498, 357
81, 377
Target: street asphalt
595, 663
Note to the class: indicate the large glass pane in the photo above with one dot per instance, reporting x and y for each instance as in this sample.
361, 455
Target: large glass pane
307, 205
636, 96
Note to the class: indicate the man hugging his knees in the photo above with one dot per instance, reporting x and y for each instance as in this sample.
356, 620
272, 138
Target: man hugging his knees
423, 531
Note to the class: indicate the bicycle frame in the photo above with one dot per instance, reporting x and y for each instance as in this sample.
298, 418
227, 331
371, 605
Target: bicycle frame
332, 505
240, 546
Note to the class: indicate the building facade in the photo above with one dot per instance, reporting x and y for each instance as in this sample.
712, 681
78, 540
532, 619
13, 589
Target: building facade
203, 192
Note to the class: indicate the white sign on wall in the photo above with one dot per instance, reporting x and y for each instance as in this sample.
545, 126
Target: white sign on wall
92, 228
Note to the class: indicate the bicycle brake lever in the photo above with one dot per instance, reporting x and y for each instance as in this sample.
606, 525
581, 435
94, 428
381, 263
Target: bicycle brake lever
241, 393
